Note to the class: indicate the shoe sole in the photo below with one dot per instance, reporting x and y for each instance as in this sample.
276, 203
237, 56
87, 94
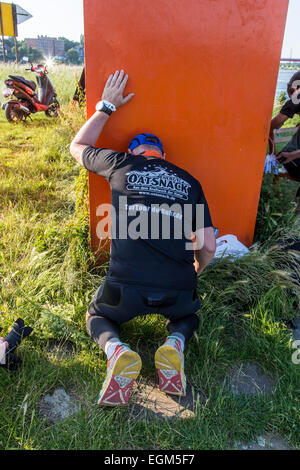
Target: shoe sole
170, 371
117, 388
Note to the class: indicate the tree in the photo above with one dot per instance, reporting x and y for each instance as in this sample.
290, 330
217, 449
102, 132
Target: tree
33, 54
73, 56
9, 48
9, 42
282, 98
68, 43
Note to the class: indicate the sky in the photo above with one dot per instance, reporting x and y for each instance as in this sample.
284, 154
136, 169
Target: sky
65, 18
292, 31
52, 18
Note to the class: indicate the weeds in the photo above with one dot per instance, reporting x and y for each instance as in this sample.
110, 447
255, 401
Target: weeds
48, 275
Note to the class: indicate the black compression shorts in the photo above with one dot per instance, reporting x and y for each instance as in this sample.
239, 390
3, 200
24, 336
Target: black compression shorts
123, 302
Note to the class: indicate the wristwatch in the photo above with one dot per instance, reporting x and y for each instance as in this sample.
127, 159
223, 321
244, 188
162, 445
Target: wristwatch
106, 107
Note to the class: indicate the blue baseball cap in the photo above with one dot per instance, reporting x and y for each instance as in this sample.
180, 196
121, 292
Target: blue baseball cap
147, 139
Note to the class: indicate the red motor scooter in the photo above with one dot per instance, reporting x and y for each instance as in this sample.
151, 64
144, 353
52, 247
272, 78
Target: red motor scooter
27, 101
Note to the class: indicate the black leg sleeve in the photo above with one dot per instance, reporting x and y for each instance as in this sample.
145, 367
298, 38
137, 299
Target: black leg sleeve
102, 330
186, 326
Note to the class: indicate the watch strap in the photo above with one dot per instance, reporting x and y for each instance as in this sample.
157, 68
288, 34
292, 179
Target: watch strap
110, 105
106, 107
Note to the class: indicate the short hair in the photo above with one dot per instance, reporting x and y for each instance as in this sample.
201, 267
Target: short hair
290, 86
152, 147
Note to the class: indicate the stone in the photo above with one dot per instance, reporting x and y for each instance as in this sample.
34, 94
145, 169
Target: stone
267, 442
249, 379
147, 401
58, 406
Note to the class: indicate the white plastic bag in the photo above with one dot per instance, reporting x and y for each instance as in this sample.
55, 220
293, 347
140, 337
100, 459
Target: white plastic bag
229, 245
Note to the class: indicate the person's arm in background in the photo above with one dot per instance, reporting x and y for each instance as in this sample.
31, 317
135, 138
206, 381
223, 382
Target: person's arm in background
90, 132
286, 157
276, 123
206, 239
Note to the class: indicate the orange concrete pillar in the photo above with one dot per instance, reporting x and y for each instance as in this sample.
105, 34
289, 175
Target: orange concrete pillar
204, 75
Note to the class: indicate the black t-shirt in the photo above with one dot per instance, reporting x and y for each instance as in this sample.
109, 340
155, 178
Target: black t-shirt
151, 201
290, 108
293, 167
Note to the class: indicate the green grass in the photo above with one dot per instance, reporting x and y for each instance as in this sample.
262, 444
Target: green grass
48, 275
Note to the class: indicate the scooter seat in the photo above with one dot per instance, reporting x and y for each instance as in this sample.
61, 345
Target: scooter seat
29, 83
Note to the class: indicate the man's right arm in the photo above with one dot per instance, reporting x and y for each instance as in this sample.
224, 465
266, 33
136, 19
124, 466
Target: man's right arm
89, 133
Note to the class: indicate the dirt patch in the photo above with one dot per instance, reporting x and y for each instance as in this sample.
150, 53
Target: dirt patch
147, 401
60, 350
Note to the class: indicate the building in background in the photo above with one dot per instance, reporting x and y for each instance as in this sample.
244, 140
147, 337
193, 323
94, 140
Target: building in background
80, 50
50, 47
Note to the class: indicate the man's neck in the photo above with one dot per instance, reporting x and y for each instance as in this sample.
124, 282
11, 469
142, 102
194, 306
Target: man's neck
151, 153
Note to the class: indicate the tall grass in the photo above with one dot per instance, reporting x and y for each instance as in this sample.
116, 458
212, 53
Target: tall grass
48, 275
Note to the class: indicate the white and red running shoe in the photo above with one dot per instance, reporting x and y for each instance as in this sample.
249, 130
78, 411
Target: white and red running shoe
169, 362
122, 369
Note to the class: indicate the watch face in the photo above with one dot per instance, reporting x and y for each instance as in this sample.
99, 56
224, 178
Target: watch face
109, 105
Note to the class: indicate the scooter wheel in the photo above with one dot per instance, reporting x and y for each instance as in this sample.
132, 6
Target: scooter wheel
13, 113
53, 109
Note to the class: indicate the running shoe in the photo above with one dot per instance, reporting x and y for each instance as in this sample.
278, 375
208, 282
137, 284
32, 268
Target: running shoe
122, 369
169, 362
